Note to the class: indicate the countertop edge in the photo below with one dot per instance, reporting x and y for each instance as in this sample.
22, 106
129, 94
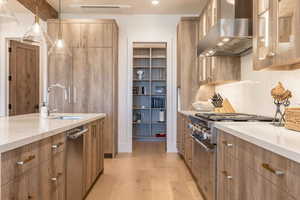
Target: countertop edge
277, 149
32, 139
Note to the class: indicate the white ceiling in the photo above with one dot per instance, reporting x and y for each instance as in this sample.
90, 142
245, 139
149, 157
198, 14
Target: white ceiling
166, 7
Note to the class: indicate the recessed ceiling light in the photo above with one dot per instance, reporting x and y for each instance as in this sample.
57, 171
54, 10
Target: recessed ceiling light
155, 2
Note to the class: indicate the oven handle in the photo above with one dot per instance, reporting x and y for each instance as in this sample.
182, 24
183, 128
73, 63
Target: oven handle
207, 149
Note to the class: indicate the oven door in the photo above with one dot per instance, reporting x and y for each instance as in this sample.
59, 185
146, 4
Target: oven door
204, 167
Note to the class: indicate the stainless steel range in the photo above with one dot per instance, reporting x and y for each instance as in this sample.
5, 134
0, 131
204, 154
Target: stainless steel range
204, 163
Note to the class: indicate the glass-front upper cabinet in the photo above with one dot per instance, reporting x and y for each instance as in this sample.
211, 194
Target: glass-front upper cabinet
288, 36
214, 12
276, 34
263, 34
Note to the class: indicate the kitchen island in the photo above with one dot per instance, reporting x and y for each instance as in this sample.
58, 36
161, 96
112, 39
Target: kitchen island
34, 154
257, 161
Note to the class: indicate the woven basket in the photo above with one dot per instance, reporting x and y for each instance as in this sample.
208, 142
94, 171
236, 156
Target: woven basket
292, 117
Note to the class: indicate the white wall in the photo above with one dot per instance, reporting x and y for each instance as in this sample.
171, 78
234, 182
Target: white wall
10, 30
142, 28
253, 94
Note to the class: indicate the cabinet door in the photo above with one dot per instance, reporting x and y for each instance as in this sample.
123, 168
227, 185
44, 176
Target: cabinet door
71, 34
209, 16
87, 140
287, 41
98, 35
22, 188
178, 136
100, 146
95, 156
201, 69
264, 34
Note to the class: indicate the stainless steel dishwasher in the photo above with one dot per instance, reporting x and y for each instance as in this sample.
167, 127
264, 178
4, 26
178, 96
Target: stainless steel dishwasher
74, 178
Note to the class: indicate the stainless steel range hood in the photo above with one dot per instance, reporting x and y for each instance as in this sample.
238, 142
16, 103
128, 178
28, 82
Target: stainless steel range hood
232, 34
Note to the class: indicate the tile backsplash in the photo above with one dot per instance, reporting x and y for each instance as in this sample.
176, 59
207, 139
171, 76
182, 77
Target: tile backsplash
253, 94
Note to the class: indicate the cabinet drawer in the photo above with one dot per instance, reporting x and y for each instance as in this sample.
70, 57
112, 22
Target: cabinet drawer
227, 144
280, 171
16, 162
52, 177
51, 146
25, 187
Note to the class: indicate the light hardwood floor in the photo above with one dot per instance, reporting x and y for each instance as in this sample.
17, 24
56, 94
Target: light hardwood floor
147, 174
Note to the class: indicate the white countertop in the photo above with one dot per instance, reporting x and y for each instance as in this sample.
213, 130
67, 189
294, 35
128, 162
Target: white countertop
276, 139
21, 130
188, 112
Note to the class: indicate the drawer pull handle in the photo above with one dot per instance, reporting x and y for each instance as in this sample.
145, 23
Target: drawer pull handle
226, 175
227, 144
55, 179
56, 146
27, 160
29, 197
269, 168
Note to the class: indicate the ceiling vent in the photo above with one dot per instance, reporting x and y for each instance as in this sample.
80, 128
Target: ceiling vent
100, 6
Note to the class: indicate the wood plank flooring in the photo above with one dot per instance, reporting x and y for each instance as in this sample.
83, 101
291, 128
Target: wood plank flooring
147, 174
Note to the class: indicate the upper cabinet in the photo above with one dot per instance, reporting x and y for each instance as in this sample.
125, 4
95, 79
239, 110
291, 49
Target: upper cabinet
276, 41
219, 69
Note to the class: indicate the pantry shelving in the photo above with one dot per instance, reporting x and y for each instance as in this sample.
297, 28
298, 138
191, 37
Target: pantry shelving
149, 91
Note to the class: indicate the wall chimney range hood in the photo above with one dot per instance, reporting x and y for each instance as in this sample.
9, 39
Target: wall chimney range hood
232, 33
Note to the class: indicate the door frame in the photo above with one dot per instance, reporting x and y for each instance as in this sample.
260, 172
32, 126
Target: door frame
42, 74
171, 93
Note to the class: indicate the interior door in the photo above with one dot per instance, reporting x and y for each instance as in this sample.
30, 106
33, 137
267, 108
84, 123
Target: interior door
23, 78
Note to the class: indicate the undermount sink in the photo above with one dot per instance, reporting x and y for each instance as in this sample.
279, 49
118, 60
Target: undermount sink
69, 117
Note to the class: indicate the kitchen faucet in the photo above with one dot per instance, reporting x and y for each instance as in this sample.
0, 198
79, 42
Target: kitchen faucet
56, 85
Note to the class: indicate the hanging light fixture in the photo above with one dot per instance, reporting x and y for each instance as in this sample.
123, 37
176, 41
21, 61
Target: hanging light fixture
36, 33
5, 12
59, 46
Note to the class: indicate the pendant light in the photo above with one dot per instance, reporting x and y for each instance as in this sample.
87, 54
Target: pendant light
36, 33
5, 12
60, 46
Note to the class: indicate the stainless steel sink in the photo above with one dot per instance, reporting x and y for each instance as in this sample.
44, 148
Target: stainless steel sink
69, 117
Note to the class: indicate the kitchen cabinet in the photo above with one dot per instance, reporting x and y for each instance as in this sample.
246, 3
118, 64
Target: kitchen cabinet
93, 154
90, 72
180, 134
219, 69
246, 171
184, 139
36, 170
275, 42
187, 60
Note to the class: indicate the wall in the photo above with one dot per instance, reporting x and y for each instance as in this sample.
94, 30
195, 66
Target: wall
12, 30
253, 94
142, 28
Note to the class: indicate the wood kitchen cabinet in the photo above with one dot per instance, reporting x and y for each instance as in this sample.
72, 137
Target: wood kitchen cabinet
246, 171
276, 44
219, 69
34, 171
93, 154
184, 139
89, 73
187, 60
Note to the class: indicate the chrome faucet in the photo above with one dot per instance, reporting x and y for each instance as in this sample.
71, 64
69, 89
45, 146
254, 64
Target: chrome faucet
56, 85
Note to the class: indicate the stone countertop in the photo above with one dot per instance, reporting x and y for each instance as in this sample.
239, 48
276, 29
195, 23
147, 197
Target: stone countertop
275, 139
18, 131
188, 112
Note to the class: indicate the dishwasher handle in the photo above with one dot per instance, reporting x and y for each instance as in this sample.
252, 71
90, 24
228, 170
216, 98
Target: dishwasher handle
77, 134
